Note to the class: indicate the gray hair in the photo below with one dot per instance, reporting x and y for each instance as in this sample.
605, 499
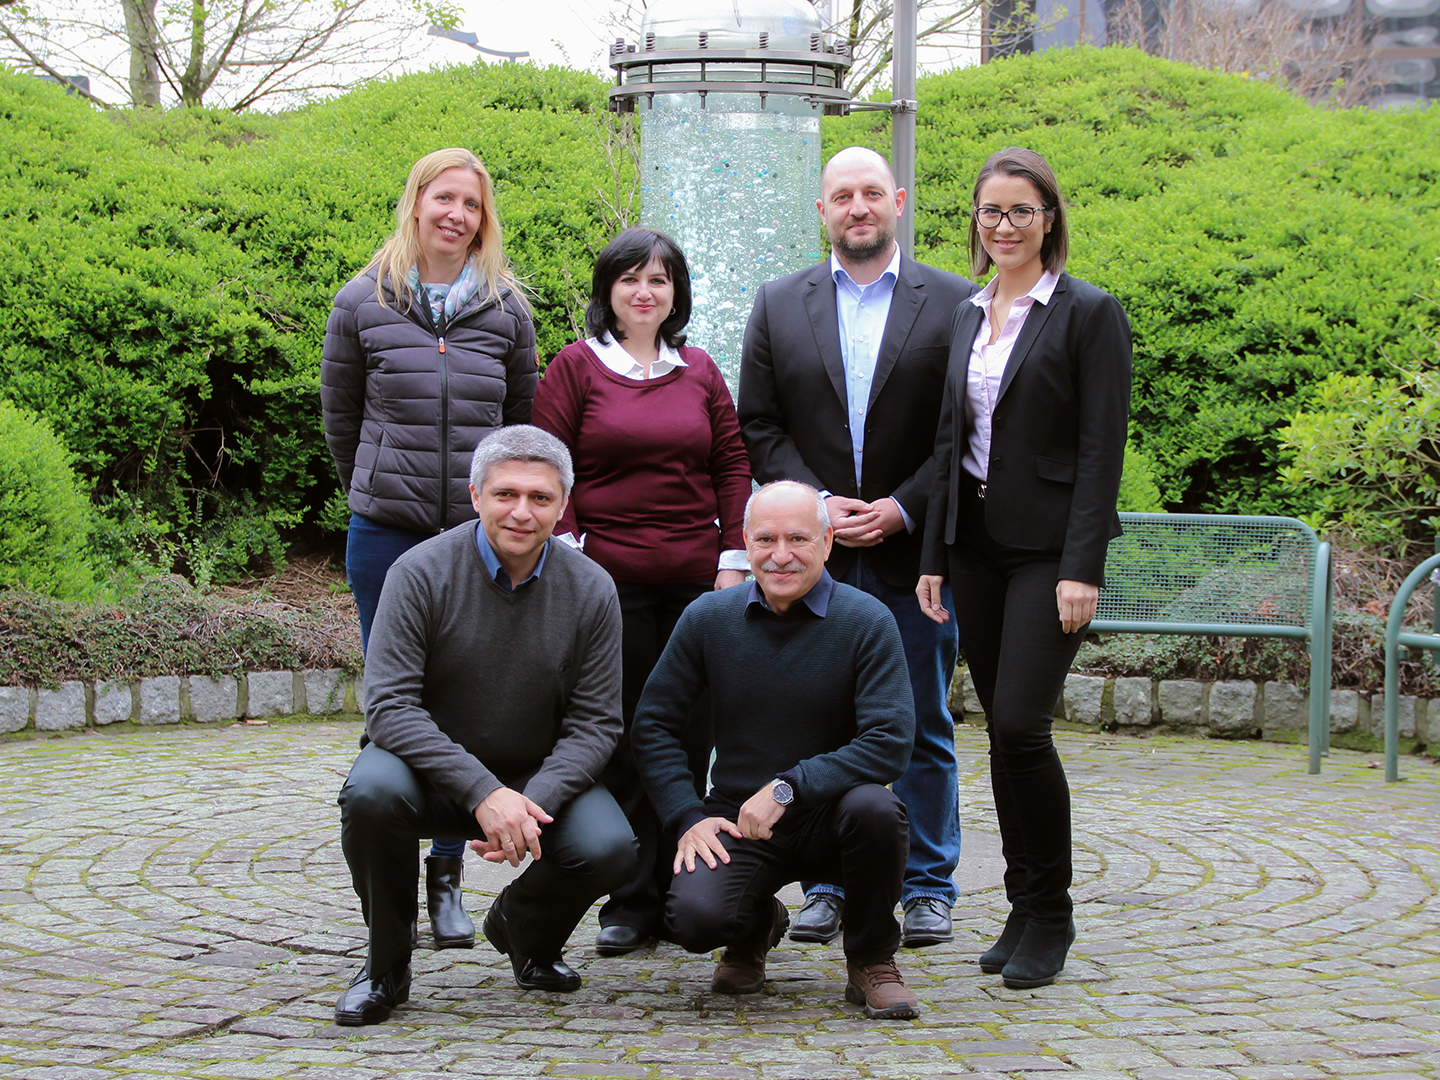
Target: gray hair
522, 442
822, 514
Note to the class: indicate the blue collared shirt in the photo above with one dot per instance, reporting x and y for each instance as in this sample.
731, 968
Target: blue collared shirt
863, 310
817, 599
497, 572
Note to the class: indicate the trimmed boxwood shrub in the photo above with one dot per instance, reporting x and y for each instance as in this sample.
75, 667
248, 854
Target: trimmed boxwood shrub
45, 521
167, 277
1257, 243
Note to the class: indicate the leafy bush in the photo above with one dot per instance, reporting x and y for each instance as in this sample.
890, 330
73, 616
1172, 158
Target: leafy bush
45, 522
165, 627
1369, 447
167, 277
1257, 244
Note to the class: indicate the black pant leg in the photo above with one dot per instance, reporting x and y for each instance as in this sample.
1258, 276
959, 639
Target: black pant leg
648, 614
585, 852
385, 808
860, 842
712, 908
1011, 634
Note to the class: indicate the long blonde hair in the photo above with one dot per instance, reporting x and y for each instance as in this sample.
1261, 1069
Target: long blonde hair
402, 250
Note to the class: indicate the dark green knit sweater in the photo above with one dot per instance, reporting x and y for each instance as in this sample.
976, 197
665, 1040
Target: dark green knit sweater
830, 702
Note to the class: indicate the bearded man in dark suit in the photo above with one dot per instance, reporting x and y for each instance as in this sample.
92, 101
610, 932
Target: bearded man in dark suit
841, 378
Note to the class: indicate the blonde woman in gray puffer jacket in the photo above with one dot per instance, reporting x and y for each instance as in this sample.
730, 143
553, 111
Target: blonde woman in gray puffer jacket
426, 352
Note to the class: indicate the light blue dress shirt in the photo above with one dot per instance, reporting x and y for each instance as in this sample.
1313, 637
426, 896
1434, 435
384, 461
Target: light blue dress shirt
862, 311
498, 572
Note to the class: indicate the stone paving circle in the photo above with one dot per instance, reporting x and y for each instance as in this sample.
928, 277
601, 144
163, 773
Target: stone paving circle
173, 903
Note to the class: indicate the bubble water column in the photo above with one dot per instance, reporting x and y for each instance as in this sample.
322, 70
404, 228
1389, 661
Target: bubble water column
730, 95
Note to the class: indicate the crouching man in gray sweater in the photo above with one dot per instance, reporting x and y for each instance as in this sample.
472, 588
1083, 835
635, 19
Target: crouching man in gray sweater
813, 715
492, 702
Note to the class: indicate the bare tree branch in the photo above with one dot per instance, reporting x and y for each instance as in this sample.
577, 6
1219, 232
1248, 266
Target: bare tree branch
233, 53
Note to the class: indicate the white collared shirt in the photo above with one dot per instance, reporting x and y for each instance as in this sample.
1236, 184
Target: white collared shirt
613, 355
987, 367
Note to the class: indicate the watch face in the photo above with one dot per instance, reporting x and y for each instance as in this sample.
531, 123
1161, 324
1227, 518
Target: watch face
784, 794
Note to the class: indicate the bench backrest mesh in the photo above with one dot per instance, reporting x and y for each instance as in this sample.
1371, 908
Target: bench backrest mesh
1210, 569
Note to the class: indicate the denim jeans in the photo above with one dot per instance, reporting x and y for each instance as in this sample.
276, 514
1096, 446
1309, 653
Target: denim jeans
930, 788
370, 548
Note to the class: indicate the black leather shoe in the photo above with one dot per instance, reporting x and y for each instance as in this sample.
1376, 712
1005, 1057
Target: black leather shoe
369, 1001
530, 974
821, 919
1040, 956
994, 959
927, 922
449, 922
619, 940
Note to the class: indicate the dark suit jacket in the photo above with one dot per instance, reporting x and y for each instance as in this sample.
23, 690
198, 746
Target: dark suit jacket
793, 411
1058, 441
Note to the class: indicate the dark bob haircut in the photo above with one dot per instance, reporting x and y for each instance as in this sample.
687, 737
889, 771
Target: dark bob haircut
633, 248
1028, 165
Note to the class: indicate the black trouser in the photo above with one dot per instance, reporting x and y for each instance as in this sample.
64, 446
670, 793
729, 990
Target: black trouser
858, 841
385, 807
649, 614
1018, 655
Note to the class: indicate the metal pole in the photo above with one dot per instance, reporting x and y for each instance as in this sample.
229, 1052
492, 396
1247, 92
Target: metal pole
902, 118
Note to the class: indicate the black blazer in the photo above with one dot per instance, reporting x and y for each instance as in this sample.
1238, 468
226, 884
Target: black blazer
1058, 440
793, 406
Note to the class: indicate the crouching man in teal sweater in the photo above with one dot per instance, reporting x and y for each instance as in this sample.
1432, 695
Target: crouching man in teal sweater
813, 716
492, 703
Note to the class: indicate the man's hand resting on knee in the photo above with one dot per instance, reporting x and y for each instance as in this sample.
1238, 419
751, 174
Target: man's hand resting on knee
703, 839
511, 824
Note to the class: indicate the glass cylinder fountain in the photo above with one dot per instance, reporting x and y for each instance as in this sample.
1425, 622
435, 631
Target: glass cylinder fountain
730, 95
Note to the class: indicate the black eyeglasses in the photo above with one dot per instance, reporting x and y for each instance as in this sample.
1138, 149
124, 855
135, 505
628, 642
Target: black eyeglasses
1019, 216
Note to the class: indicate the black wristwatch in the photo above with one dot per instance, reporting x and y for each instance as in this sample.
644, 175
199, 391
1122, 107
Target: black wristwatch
782, 792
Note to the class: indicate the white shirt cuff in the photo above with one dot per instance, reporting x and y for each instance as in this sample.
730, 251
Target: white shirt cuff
734, 559
579, 545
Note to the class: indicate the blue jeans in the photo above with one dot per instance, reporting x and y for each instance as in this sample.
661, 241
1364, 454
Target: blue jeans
370, 548
930, 788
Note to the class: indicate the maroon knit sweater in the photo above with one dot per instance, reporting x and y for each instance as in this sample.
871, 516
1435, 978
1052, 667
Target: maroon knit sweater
656, 462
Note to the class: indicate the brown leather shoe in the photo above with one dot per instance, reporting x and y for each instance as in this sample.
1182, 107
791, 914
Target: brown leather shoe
742, 966
881, 990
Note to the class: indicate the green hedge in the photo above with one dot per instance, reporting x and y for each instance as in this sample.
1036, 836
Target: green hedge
167, 277
1257, 243
45, 520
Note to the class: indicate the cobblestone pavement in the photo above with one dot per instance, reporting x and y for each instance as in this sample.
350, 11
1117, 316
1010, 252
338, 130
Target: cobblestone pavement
174, 903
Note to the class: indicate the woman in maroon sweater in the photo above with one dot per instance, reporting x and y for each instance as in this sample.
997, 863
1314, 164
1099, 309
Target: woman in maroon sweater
661, 479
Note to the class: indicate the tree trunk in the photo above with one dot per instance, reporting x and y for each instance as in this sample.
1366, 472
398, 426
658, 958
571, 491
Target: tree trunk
143, 36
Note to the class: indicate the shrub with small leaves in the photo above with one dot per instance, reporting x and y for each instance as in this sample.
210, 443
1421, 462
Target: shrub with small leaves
45, 522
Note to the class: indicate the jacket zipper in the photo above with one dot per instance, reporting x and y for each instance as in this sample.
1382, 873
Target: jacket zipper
444, 428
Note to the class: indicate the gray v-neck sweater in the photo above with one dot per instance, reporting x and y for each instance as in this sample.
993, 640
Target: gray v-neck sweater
474, 686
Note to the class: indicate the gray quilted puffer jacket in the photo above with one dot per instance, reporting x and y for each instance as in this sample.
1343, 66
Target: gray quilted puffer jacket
403, 415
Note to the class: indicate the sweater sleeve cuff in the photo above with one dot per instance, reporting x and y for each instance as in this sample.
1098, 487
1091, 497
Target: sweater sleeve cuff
688, 819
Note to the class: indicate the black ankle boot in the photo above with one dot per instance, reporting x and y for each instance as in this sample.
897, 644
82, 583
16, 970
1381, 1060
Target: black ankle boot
1040, 956
994, 959
451, 925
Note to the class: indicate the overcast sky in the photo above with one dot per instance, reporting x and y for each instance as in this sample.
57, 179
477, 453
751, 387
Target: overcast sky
568, 32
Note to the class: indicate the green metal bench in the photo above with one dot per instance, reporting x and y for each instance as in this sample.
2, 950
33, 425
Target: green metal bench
1231, 576
1395, 637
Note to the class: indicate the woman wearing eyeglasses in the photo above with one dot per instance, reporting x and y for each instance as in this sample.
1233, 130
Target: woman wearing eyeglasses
1029, 452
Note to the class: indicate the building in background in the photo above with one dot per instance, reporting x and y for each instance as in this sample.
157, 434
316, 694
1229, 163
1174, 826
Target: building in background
1389, 50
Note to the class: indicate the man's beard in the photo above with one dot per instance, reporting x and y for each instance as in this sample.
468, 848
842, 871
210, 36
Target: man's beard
864, 252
